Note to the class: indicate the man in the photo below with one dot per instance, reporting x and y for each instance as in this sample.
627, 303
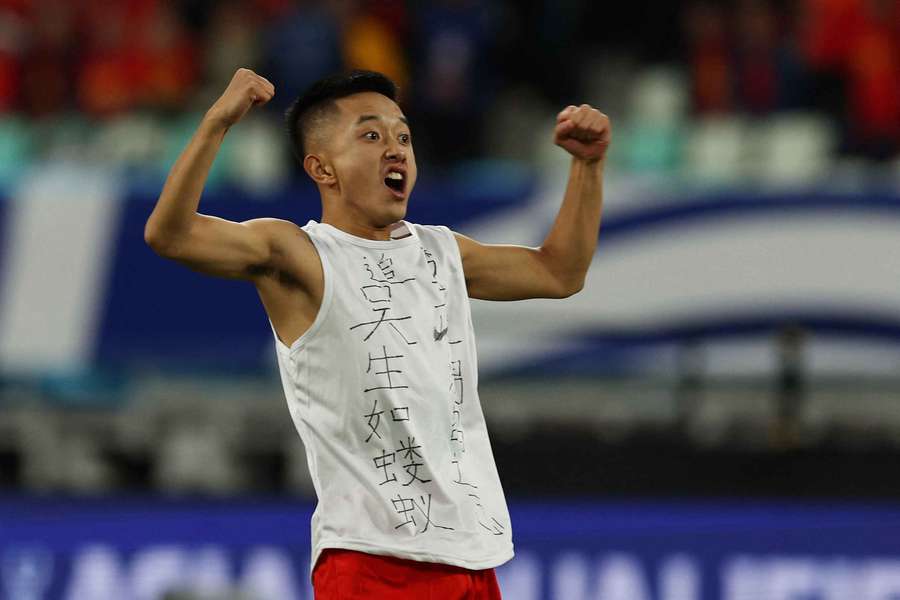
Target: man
373, 331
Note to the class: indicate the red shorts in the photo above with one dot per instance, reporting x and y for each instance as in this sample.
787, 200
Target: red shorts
349, 575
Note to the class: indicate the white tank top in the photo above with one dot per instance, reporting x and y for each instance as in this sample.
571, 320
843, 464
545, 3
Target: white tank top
382, 389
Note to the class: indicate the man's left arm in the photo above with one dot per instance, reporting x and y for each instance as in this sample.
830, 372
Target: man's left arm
558, 267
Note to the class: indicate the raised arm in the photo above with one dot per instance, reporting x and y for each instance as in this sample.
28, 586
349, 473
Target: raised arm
558, 267
209, 244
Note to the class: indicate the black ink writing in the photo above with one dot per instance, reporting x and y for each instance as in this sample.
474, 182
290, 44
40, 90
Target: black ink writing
410, 452
386, 273
384, 319
376, 293
407, 507
459, 476
492, 525
373, 421
386, 372
383, 462
400, 413
456, 381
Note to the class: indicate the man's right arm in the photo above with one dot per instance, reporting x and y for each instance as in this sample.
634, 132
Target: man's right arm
209, 244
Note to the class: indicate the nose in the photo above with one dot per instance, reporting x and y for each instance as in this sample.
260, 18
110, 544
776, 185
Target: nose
395, 152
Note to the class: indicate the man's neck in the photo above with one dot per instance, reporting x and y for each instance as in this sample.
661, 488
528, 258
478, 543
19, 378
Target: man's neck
361, 230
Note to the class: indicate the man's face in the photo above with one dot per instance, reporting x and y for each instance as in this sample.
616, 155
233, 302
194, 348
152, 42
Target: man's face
372, 155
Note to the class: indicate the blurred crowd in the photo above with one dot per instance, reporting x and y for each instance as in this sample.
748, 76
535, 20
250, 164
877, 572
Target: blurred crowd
839, 56
452, 58
104, 58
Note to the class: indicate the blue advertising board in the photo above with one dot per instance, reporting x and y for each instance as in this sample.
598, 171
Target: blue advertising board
139, 549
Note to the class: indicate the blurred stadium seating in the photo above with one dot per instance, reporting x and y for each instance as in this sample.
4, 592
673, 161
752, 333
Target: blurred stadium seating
738, 337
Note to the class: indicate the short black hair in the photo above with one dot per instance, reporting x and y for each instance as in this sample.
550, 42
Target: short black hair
320, 96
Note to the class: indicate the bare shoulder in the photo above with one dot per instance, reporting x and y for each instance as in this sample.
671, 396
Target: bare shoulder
281, 235
294, 257
465, 243
273, 229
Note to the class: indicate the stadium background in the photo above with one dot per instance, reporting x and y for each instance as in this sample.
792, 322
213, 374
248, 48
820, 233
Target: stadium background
717, 414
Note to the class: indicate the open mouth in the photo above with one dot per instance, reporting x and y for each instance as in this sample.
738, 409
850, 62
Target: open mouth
396, 182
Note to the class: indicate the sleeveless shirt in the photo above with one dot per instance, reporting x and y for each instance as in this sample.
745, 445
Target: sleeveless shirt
382, 390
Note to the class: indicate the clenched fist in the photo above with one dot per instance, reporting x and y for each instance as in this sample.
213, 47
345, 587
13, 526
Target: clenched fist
245, 90
583, 131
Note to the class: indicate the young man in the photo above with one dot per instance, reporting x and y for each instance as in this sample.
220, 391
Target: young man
373, 331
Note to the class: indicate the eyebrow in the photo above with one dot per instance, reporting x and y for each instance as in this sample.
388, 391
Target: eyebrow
364, 118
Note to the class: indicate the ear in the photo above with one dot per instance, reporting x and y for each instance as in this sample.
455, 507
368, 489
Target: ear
320, 171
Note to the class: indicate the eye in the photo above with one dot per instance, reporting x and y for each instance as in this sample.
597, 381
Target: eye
372, 135
404, 138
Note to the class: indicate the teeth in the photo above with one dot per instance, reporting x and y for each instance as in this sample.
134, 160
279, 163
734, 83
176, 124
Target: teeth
395, 175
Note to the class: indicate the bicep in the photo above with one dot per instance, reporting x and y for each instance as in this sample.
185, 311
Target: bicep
224, 248
507, 272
